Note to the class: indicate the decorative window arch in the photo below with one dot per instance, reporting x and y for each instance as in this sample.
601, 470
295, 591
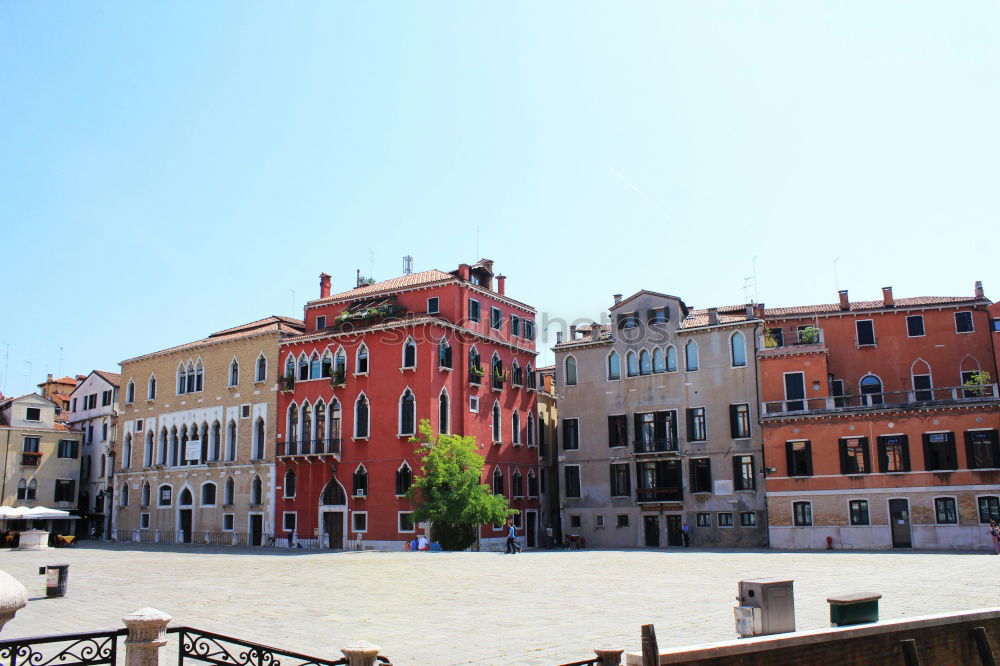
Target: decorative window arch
362, 416
290, 366
738, 349
289, 485
292, 418
631, 364
361, 360
320, 427
614, 366
497, 481
444, 413
333, 494
360, 481
409, 353
340, 362
229, 492
671, 358
303, 367
190, 374
444, 354
530, 430
185, 498
530, 377
570, 368
326, 364
645, 363
407, 413
123, 495
496, 422
208, 493
517, 484
32, 489
199, 374
256, 491
659, 362
306, 435
871, 390
127, 451
174, 447
515, 425
234, 373
215, 448
532, 484
258, 439
496, 371
147, 451
315, 366
333, 414
181, 379
404, 479
162, 458
144, 494
516, 376
261, 372
475, 366
130, 392
231, 442
691, 356
205, 442
164, 494
921, 380
151, 388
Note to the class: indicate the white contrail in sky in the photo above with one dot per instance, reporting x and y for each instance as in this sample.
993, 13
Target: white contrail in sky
642, 194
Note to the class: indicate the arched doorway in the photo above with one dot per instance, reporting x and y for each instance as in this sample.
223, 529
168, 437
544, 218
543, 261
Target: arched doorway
185, 514
333, 515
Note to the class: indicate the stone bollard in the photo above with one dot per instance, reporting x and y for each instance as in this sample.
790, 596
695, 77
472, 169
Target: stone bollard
360, 653
13, 597
610, 655
147, 633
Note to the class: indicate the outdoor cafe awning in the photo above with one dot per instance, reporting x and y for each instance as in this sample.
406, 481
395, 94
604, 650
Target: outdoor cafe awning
34, 513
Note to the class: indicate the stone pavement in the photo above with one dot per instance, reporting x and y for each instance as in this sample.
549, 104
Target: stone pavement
545, 607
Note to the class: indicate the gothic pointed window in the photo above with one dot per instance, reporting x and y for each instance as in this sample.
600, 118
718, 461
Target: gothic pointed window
407, 413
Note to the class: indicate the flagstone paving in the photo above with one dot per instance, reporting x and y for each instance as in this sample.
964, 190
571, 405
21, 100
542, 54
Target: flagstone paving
543, 607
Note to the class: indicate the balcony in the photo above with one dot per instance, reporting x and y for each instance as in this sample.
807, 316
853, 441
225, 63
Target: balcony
30, 458
954, 395
476, 375
662, 494
655, 446
796, 338
310, 447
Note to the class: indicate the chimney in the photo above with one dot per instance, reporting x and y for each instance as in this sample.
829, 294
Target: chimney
713, 316
464, 273
758, 309
887, 297
500, 284
49, 379
844, 303
979, 290
324, 285
595, 331
618, 299
750, 311
572, 332
558, 337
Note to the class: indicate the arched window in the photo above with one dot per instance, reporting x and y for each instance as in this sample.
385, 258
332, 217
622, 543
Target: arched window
205, 453
147, 452
231, 441
208, 494
190, 378
307, 427
199, 372
871, 390
645, 363
570, 371
659, 363
144, 494
326, 364
444, 413
22, 489
530, 430
216, 447
922, 382
181, 379
256, 491
739, 349
163, 446
517, 484
475, 366
32, 490
303, 367
614, 366
497, 482
631, 364
293, 428
515, 424
361, 362
360, 482
404, 479
320, 427
691, 356
496, 422
532, 484
234, 373
258, 439
444, 354
315, 366
407, 413
496, 372
151, 388
671, 359
130, 392
409, 353
104, 462
182, 452
516, 376
289, 488
185, 498
174, 447
340, 363
261, 368
123, 495
333, 494
127, 452
361, 416
335, 423
229, 494
529, 376
290, 366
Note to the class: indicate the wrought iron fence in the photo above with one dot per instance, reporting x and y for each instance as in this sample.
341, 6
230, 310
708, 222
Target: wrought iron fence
221, 650
83, 649
239, 539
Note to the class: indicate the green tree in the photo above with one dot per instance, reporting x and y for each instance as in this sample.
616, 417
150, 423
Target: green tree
449, 492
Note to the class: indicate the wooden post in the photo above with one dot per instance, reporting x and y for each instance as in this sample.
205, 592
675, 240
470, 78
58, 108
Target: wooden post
910, 656
983, 646
650, 650
610, 655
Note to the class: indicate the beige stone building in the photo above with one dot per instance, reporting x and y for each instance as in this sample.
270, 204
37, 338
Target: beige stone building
658, 426
195, 439
548, 453
41, 462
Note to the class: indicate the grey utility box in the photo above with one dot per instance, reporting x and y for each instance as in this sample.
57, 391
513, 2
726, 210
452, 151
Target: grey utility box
775, 598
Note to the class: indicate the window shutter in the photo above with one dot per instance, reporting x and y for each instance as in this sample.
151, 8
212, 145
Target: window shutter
637, 419
693, 476
906, 454
612, 431
809, 459
734, 421
737, 478
672, 425
969, 450
790, 458
883, 458
866, 454
843, 455
650, 316
927, 453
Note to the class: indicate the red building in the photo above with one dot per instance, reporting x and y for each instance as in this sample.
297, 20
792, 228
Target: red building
873, 437
373, 362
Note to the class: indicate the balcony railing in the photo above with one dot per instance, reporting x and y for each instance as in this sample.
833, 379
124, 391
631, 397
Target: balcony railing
665, 494
310, 447
777, 338
656, 446
885, 400
30, 458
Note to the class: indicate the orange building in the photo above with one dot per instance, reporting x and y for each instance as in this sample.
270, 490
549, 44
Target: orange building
880, 423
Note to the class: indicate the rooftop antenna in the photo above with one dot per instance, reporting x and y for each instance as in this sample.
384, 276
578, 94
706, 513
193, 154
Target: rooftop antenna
407, 265
371, 264
26, 376
747, 283
836, 283
756, 297
477, 243
293, 299
6, 358
59, 367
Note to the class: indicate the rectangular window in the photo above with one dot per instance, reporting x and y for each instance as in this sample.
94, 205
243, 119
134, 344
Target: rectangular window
981, 449
799, 458
73, 405
701, 475
995, 325
659, 481
105, 398
922, 389
802, 514
915, 326
859, 512
854, 455
946, 511
33, 414
866, 332
144, 521
320, 322
529, 329
228, 522
288, 521
621, 482
432, 305
697, 427
138, 425
704, 520
30, 445
748, 519
571, 434
725, 519
474, 404
743, 476
359, 521
572, 481
939, 451
474, 310
575, 522
739, 420
655, 431
68, 448
658, 316
65, 490
837, 391
893, 454
622, 520
406, 521
628, 320
617, 430
496, 318
989, 508
598, 520
963, 322
515, 325
165, 493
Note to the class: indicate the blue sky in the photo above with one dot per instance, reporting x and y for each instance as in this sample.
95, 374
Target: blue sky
172, 169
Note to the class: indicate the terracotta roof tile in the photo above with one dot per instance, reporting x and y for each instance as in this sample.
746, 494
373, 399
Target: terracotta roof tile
728, 314
260, 323
112, 378
401, 282
857, 306
281, 325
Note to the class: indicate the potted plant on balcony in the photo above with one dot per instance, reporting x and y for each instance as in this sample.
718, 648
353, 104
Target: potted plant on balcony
287, 383
338, 377
770, 342
975, 385
809, 335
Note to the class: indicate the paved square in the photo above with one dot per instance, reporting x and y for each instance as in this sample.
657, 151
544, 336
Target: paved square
485, 608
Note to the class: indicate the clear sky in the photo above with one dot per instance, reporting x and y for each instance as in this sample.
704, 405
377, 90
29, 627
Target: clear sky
171, 169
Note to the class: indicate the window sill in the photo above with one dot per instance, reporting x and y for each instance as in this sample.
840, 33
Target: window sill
360, 439
403, 434
444, 369
411, 368
497, 443
359, 374
233, 386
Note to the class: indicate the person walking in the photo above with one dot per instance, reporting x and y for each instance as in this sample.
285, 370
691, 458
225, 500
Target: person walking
512, 545
995, 533
685, 535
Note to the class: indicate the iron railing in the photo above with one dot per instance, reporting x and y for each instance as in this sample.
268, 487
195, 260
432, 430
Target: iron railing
776, 338
30, 458
81, 649
663, 494
658, 445
310, 447
282, 540
221, 650
596, 661
885, 400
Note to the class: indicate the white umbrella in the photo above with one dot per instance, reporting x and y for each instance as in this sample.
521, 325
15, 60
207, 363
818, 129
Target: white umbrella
42, 513
10, 513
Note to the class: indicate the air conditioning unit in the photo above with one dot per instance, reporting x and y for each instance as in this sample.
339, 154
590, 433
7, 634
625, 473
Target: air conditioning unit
360, 493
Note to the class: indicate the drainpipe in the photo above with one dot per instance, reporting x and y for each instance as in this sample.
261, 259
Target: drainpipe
6, 455
760, 328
